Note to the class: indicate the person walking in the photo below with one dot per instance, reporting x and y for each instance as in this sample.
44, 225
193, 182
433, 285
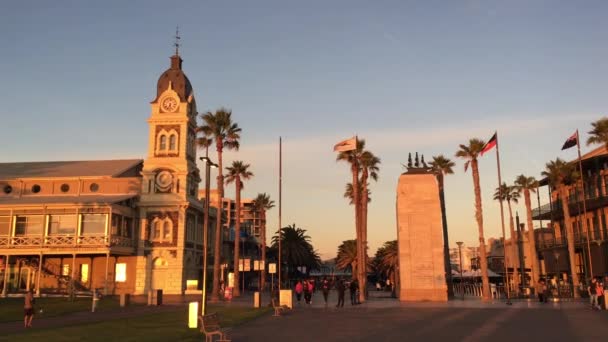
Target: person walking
325, 289
354, 286
307, 292
600, 294
341, 290
28, 309
299, 289
540, 290
592, 290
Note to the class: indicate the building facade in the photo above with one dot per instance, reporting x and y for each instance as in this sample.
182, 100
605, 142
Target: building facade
123, 226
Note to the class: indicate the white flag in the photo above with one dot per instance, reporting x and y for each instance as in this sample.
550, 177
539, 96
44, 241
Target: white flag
346, 145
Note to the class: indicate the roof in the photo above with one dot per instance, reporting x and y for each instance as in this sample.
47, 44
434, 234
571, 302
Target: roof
85, 199
82, 168
588, 159
174, 75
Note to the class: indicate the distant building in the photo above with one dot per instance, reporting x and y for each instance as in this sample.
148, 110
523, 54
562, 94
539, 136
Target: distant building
468, 255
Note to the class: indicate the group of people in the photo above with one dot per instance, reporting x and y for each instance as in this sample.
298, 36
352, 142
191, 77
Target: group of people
307, 288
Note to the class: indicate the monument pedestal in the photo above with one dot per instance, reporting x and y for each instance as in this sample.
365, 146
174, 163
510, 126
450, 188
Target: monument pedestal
420, 238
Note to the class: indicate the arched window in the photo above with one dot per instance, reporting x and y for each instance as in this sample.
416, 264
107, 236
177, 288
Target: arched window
167, 230
172, 142
163, 143
157, 233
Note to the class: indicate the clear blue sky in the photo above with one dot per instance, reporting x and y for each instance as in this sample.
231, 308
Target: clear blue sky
77, 79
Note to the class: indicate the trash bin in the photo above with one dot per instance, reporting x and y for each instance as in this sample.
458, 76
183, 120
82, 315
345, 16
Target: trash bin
125, 298
256, 299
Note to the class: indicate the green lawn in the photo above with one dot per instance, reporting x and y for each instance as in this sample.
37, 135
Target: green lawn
11, 309
167, 326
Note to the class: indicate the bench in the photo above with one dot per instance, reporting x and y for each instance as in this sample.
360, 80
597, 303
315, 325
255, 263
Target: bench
210, 326
278, 308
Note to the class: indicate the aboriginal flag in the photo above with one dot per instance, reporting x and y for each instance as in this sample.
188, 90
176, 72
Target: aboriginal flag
489, 145
572, 141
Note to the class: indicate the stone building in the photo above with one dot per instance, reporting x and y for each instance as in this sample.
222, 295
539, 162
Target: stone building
124, 226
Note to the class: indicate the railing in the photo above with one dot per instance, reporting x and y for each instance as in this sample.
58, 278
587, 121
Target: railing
66, 241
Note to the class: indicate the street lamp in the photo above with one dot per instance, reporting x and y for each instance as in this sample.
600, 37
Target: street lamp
208, 165
459, 243
556, 256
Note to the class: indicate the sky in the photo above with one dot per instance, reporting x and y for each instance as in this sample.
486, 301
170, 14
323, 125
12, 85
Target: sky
407, 76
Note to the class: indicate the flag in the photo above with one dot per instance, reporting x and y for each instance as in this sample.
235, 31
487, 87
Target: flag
572, 141
466, 165
489, 145
346, 145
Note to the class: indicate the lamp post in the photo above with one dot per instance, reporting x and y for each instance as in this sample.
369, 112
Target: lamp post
208, 165
459, 243
556, 256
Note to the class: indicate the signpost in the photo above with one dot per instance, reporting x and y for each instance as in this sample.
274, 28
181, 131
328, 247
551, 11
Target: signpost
272, 269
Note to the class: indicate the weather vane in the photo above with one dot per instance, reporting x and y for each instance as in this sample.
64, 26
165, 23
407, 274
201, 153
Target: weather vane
177, 38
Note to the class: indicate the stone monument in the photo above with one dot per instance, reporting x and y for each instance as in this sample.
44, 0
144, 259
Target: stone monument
419, 235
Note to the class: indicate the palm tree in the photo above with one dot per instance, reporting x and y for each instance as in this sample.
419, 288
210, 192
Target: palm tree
354, 159
386, 261
561, 175
442, 166
348, 193
237, 172
347, 256
470, 153
263, 203
510, 194
526, 185
296, 249
369, 169
219, 127
599, 133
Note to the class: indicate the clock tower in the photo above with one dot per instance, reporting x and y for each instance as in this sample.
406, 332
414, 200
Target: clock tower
170, 212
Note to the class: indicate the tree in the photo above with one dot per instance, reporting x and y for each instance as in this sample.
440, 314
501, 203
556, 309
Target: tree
526, 185
296, 249
442, 166
346, 258
237, 172
386, 262
470, 153
369, 170
263, 203
561, 175
599, 132
353, 157
510, 194
219, 127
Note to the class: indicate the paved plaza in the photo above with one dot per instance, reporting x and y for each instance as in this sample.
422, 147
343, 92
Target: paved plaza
382, 319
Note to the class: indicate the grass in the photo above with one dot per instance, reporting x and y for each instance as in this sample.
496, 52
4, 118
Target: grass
166, 326
11, 309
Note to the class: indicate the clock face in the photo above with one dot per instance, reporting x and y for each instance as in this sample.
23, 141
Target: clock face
164, 179
169, 104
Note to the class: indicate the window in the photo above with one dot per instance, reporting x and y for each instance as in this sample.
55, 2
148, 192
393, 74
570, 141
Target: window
127, 227
121, 273
116, 224
163, 143
8, 189
65, 270
63, 224
65, 188
94, 187
36, 188
5, 225
162, 230
29, 225
172, 142
84, 273
93, 224
166, 230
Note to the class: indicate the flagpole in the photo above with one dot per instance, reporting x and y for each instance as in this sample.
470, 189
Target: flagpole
580, 167
280, 200
502, 222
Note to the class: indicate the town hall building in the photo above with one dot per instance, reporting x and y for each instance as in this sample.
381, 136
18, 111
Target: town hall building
119, 226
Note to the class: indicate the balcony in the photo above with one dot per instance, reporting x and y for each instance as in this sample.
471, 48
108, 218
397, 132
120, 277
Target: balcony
67, 242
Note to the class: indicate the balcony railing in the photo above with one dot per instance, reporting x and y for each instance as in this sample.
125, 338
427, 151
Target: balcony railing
55, 241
